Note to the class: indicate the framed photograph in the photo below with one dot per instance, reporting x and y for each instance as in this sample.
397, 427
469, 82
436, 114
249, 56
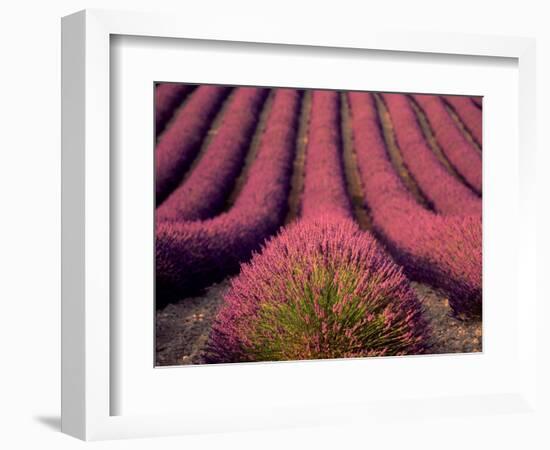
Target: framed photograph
268, 228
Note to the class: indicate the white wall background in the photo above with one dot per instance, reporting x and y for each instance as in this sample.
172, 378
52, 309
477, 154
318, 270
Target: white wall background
30, 195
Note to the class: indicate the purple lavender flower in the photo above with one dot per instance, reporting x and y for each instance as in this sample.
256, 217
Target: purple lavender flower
168, 96
447, 194
444, 251
322, 288
204, 192
324, 183
478, 101
469, 114
190, 255
464, 157
180, 143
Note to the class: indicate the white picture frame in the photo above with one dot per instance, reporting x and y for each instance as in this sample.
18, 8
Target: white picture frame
87, 328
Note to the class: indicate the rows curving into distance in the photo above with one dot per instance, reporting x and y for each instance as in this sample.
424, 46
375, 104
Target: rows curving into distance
202, 194
192, 254
443, 249
178, 146
168, 96
324, 180
447, 194
228, 168
461, 153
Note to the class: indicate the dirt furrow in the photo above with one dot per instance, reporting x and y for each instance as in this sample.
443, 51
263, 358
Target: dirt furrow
297, 180
212, 131
462, 127
252, 152
395, 154
351, 171
434, 145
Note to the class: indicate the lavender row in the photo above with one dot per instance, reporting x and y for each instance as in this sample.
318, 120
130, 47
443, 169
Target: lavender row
205, 191
478, 101
324, 182
463, 156
180, 143
443, 190
168, 96
191, 255
444, 251
469, 114
322, 288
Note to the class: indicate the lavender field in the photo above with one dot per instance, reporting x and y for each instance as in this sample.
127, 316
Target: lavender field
311, 224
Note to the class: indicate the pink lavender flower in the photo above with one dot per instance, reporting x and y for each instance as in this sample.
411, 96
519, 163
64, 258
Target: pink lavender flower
324, 183
469, 113
444, 251
190, 255
180, 143
464, 157
322, 288
478, 101
168, 97
204, 192
447, 194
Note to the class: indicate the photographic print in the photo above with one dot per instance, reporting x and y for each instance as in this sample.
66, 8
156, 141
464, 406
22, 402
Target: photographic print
303, 224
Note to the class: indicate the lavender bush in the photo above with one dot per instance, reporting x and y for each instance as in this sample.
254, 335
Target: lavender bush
320, 289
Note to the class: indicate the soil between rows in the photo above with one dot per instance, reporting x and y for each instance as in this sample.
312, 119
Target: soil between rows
182, 328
